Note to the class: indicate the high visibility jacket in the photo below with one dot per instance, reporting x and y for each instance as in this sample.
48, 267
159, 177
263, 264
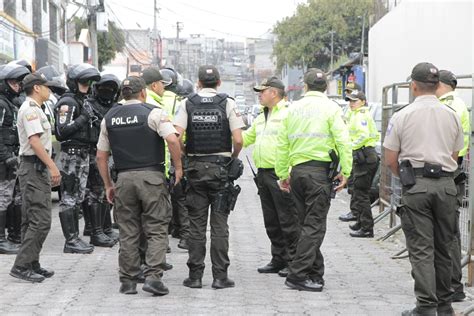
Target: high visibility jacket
313, 127
154, 99
362, 129
458, 105
170, 102
264, 134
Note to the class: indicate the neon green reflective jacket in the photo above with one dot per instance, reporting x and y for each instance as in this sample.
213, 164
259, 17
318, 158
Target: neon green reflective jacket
458, 105
153, 98
171, 102
264, 133
313, 127
362, 128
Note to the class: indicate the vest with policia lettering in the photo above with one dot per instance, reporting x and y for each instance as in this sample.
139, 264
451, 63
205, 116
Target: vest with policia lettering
208, 130
133, 143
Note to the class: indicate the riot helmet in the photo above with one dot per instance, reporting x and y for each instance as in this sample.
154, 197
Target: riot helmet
53, 75
83, 73
11, 71
186, 88
170, 78
24, 63
107, 89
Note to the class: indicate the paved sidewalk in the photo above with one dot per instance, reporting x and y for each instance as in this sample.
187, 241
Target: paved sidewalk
361, 279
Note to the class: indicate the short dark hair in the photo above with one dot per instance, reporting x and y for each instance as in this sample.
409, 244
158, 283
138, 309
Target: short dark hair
211, 85
280, 92
320, 87
426, 86
128, 95
28, 90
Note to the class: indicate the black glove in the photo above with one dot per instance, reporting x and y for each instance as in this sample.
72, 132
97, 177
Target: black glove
12, 162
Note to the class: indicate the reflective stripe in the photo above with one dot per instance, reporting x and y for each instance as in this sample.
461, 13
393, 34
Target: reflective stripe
308, 135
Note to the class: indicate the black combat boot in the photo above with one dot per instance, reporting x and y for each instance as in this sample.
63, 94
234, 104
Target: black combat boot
70, 229
14, 227
98, 238
86, 209
6, 247
107, 222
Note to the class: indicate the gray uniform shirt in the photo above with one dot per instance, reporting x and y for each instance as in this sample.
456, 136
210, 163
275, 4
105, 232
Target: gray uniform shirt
31, 121
425, 131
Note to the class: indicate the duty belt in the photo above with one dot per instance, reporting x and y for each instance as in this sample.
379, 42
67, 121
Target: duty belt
419, 172
315, 163
212, 158
30, 159
265, 169
150, 168
70, 150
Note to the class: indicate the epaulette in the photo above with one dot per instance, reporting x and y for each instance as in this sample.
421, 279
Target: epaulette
32, 103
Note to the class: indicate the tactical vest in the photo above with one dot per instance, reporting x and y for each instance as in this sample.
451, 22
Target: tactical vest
133, 143
99, 112
208, 130
80, 137
8, 129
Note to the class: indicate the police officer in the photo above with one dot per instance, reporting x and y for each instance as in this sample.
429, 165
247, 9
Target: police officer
186, 88
312, 128
426, 159
212, 126
364, 136
279, 211
105, 93
448, 96
10, 88
37, 174
73, 129
179, 225
155, 86
140, 196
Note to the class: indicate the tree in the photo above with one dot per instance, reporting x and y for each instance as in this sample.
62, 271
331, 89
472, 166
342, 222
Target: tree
108, 43
304, 39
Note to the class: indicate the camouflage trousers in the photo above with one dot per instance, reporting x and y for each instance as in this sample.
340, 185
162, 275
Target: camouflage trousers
95, 191
74, 170
9, 192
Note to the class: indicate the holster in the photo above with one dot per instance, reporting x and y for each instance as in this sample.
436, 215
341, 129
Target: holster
235, 168
407, 174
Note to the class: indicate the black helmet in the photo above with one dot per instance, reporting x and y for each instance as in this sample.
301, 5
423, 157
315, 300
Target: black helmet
170, 78
106, 96
11, 71
22, 62
81, 73
54, 76
186, 88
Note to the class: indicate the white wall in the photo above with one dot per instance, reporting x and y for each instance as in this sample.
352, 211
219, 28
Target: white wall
436, 31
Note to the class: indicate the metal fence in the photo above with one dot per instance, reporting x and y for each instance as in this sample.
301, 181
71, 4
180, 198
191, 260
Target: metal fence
390, 188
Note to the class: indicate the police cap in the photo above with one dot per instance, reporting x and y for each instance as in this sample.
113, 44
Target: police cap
272, 82
315, 77
134, 84
350, 86
152, 74
36, 79
356, 95
447, 77
425, 72
208, 74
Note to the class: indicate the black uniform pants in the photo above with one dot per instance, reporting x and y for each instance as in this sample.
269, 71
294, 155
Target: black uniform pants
428, 216
363, 175
35, 188
205, 181
456, 255
279, 216
311, 191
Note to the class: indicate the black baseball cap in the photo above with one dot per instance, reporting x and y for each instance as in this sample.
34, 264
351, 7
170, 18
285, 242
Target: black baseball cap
356, 95
350, 86
447, 77
272, 82
133, 83
425, 72
208, 74
36, 79
152, 74
314, 76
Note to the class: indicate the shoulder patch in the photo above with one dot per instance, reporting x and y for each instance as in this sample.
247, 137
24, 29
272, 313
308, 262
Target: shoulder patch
31, 117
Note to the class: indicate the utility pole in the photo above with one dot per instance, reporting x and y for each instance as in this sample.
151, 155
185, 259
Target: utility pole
179, 27
92, 21
156, 39
362, 41
332, 49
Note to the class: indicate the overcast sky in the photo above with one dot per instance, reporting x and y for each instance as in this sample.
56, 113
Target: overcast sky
233, 20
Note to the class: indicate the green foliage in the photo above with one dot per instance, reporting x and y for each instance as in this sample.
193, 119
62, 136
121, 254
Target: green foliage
108, 43
304, 39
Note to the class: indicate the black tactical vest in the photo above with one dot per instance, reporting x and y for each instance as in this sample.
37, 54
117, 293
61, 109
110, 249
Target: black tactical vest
99, 112
208, 130
8, 129
133, 143
82, 135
